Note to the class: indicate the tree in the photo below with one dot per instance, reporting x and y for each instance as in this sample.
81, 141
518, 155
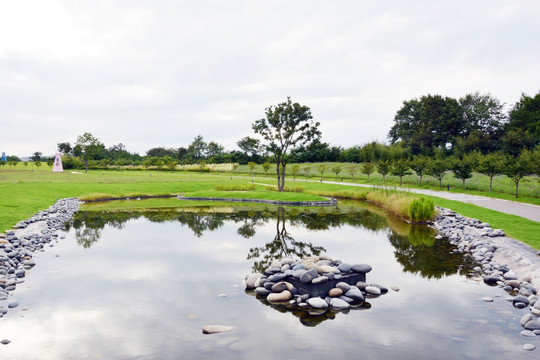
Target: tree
419, 165
463, 168
36, 156
437, 168
266, 166
336, 170
214, 149
294, 171
517, 168
384, 167
484, 121
249, 145
307, 170
50, 163
169, 163
89, 147
104, 163
525, 118
368, 168
491, 165
197, 149
25, 164
322, 169
400, 168
38, 163
65, 148
427, 123
286, 127
352, 169
252, 166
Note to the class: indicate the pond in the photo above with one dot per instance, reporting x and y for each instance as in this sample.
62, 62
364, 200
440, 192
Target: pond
138, 285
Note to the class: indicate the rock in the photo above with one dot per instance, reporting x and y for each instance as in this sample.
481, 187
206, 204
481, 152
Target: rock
532, 325
335, 292
326, 269
338, 304
250, 281
355, 294
319, 280
13, 304
382, 288
525, 319
527, 333
308, 276
361, 268
372, 290
5, 342
214, 329
262, 291
395, 288
279, 287
491, 280
520, 299
344, 267
343, 286
317, 303
487, 299
277, 297
529, 347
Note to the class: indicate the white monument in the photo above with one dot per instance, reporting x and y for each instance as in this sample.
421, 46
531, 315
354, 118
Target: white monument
58, 163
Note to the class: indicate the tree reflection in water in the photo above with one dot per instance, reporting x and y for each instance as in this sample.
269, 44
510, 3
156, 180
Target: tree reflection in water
282, 246
415, 246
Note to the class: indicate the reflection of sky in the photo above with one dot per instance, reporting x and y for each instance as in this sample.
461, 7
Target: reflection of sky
147, 290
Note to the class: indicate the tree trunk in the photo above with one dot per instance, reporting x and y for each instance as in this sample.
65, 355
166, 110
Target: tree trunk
278, 175
283, 165
420, 182
86, 162
490, 181
463, 183
440, 182
401, 181
517, 184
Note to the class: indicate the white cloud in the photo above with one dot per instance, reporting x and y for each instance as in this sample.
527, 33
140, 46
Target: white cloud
160, 73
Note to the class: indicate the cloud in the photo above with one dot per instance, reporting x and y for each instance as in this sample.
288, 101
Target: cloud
158, 74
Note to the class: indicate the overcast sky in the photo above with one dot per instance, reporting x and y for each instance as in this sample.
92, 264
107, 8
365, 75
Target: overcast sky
159, 73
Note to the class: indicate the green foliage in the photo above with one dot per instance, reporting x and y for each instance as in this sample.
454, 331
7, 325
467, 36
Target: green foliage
352, 170
421, 210
89, 147
307, 170
294, 170
368, 168
525, 118
518, 168
384, 167
266, 166
491, 165
336, 170
286, 126
437, 168
252, 166
463, 168
400, 168
419, 165
322, 168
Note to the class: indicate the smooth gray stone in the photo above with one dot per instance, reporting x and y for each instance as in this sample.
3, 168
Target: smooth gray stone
521, 299
262, 291
383, 289
529, 347
525, 319
13, 304
279, 287
363, 268
355, 294
317, 303
308, 276
297, 273
532, 325
319, 280
5, 341
491, 280
344, 267
277, 277
346, 299
372, 290
268, 285
343, 286
527, 333
338, 304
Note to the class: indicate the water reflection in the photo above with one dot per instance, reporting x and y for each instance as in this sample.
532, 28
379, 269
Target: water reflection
416, 248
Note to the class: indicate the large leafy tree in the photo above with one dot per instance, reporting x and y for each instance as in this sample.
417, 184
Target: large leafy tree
525, 118
250, 146
427, 123
197, 149
484, 120
286, 126
89, 147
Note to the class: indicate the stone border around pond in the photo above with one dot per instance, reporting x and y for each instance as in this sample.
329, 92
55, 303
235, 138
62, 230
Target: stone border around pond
17, 247
329, 202
502, 261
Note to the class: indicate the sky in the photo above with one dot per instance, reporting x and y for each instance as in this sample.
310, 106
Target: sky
159, 73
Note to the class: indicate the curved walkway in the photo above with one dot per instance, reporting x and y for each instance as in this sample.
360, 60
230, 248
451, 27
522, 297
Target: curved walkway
528, 211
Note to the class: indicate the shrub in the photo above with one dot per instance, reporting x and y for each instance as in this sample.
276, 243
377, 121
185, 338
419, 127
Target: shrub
421, 210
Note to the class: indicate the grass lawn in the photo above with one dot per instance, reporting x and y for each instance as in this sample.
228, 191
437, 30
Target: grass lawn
24, 191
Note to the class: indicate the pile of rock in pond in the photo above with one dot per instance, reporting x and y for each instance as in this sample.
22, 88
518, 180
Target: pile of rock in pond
316, 283
475, 238
16, 251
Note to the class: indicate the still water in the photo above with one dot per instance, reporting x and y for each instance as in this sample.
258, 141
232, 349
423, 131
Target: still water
142, 285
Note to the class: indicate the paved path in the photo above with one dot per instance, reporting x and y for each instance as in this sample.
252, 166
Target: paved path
528, 211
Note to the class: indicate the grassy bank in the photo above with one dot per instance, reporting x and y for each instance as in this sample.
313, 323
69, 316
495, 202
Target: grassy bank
24, 192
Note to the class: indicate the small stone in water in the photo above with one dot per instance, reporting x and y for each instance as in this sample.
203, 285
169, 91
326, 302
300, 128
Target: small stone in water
487, 299
395, 288
528, 333
5, 342
529, 347
214, 329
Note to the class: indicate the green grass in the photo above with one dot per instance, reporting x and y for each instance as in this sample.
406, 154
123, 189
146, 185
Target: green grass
24, 192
